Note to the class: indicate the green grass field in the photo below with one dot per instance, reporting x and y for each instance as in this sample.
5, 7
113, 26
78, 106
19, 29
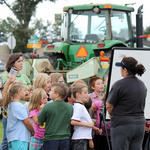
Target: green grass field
1, 130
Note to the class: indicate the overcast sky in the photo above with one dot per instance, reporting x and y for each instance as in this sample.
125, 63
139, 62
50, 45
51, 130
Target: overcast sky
46, 10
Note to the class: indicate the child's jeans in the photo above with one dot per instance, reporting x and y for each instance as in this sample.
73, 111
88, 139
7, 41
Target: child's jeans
57, 145
79, 144
4, 144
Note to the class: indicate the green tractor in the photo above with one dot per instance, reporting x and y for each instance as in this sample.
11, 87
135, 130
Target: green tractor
89, 29
87, 32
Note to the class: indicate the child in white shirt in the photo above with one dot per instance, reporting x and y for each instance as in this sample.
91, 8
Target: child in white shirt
81, 119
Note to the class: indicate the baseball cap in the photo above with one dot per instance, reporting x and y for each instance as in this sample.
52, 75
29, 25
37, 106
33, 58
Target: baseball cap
120, 64
129, 63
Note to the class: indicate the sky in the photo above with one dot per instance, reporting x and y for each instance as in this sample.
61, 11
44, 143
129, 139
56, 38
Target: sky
47, 10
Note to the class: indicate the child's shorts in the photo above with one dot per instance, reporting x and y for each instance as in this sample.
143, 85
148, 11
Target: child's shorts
36, 144
18, 145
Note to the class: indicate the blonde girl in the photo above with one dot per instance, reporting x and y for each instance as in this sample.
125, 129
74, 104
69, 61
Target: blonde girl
37, 101
18, 124
56, 77
42, 80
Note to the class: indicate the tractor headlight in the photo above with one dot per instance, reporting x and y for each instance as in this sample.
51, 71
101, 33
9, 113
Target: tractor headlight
70, 11
96, 10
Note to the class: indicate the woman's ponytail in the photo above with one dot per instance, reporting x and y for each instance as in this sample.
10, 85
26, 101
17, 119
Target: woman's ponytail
132, 66
140, 69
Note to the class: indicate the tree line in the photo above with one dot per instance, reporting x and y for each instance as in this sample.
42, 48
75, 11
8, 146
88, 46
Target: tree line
23, 27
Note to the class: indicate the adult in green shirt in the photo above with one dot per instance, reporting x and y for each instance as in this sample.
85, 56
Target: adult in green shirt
57, 116
15, 60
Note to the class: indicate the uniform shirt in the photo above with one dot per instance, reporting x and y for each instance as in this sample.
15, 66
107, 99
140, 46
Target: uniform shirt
128, 98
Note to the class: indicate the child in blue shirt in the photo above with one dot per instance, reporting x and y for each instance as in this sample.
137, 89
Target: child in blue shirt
18, 124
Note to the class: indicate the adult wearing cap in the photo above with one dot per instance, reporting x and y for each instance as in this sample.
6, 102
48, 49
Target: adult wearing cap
125, 104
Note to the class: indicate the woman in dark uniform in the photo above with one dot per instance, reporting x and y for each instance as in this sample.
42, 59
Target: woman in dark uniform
125, 104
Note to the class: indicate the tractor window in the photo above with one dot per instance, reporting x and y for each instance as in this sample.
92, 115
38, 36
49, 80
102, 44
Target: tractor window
78, 27
99, 25
89, 27
120, 29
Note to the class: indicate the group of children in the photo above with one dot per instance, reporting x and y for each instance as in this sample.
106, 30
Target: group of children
62, 123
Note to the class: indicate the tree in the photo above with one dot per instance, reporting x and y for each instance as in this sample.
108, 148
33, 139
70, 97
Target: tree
23, 10
75, 33
41, 30
7, 26
147, 30
56, 31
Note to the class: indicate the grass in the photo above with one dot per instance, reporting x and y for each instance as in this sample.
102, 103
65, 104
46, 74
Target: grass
1, 130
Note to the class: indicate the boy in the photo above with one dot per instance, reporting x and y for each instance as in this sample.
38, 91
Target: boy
57, 117
97, 96
97, 86
81, 119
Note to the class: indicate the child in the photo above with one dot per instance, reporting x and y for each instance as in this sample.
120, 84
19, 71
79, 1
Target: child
56, 77
96, 84
57, 116
81, 119
69, 99
88, 102
18, 124
42, 80
37, 101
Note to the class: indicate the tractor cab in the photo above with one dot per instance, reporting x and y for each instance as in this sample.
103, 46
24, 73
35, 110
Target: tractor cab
89, 29
89, 24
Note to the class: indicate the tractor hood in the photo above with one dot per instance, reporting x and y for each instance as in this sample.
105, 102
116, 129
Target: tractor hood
56, 47
60, 47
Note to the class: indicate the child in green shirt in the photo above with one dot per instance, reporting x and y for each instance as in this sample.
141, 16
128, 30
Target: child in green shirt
57, 116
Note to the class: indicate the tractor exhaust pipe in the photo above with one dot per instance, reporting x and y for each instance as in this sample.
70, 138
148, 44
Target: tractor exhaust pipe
139, 27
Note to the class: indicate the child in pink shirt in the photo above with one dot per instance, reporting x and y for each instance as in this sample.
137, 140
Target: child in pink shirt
97, 86
37, 101
97, 96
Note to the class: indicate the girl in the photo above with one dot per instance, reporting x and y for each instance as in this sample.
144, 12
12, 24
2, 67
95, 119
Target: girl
42, 80
18, 124
37, 101
56, 77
